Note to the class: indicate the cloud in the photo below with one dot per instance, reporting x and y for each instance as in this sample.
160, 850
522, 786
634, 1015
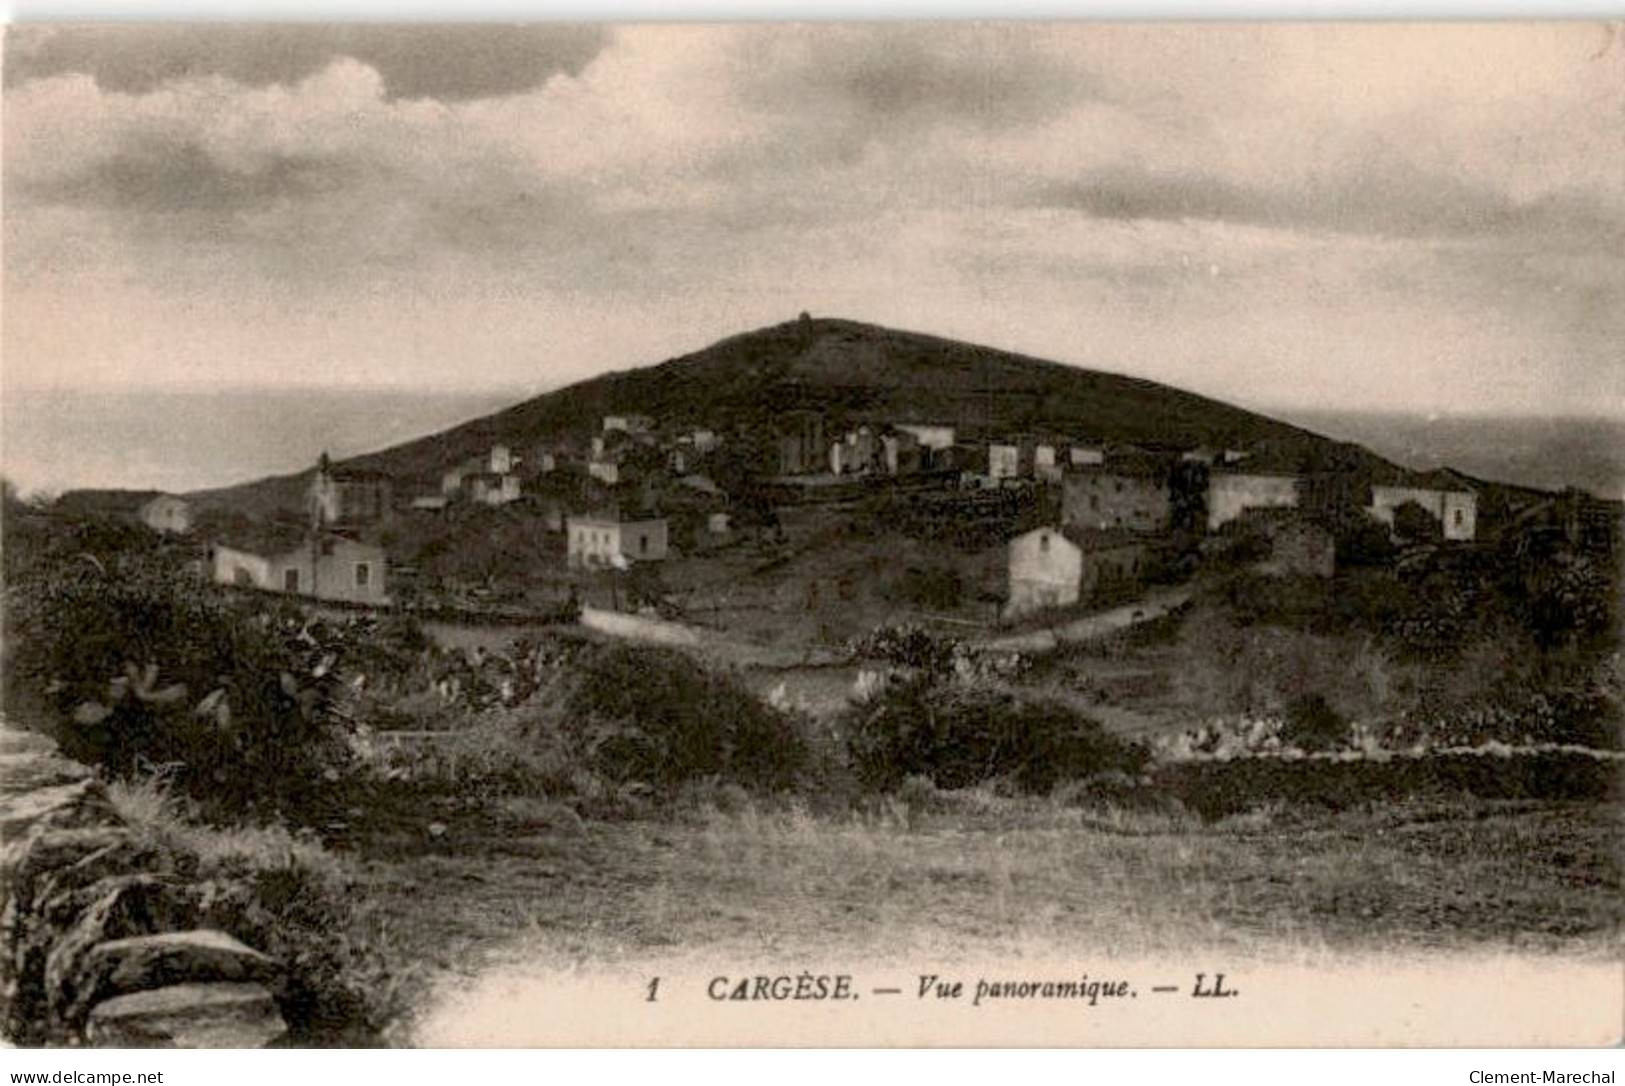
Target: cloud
898, 75
1145, 197
1396, 201
160, 176
449, 63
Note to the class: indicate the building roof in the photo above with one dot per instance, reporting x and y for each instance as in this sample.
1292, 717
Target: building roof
264, 538
1134, 468
612, 517
1091, 539
1102, 539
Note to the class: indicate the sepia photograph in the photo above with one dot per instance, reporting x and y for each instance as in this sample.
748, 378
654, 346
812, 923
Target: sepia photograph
895, 534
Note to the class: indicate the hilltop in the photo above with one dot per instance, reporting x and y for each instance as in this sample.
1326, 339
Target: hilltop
851, 372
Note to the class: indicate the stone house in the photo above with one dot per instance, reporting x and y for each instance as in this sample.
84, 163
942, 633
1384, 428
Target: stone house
1232, 493
1003, 461
901, 453
1079, 456
1053, 567
933, 436
1455, 510
800, 443
1103, 498
491, 488
1046, 464
348, 495
629, 424
607, 540
168, 514
324, 565
858, 451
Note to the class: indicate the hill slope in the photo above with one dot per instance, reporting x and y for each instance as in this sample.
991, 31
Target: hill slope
851, 372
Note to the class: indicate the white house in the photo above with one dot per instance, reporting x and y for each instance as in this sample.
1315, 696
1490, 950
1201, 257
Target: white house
1044, 463
1054, 567
1003, 461
1045, 571
327, 567
1084, 455
930, 435
629, 424
492, 489
1455, 510
603, 540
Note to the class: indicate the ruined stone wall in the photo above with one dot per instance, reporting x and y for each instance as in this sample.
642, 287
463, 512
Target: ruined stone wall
104, 939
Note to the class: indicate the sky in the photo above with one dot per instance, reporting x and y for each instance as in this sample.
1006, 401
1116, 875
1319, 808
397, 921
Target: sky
1352, 216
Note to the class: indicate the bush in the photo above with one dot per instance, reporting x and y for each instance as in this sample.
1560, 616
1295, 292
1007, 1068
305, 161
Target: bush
657, 717
144, 667
958, 734
1219, 788
940, 588
1312, 725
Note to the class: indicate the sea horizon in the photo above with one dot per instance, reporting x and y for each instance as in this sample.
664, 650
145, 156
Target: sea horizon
182, 439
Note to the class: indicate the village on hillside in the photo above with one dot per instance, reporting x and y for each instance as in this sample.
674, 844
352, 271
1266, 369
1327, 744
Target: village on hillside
675, 519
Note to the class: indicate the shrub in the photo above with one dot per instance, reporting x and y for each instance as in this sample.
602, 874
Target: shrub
1311, 724
939, 588
657, 717
960, 734
143, 666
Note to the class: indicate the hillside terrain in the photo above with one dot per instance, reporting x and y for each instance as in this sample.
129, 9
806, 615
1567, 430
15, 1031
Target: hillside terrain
849, 372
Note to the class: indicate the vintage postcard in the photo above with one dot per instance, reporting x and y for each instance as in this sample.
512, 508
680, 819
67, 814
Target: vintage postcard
826, 534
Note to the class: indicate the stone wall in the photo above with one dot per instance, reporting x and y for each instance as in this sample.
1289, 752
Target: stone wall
104, 939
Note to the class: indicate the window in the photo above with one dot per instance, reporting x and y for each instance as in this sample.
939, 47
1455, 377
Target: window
1458, 518
290, 580
643, 544
1043, 543
363, 574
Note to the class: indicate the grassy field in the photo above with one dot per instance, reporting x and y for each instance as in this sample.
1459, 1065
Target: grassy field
949, 875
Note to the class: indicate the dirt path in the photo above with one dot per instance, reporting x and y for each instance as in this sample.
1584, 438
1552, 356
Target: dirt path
1089, 627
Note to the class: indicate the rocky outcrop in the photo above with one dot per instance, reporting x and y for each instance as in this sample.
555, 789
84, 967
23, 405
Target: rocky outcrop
104, 938
187, 1016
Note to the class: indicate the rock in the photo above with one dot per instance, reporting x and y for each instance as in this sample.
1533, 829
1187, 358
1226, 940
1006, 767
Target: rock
188, 1016
28, 871
27, 864
62, 895
143, 962
61, 806
117, 909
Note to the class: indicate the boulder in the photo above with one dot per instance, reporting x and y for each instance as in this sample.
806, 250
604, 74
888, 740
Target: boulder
222, 1015
29, 869
144, 962
115, 910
